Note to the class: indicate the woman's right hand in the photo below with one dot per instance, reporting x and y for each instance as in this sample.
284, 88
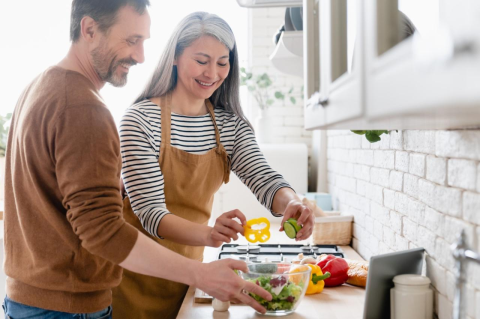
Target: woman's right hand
226, 228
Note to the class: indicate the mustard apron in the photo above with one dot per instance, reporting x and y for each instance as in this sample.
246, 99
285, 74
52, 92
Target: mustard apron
190, 181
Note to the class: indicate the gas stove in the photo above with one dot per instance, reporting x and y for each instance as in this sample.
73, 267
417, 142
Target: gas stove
257, 253
254, 253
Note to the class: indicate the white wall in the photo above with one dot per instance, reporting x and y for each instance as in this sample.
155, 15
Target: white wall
288, 118
412, 189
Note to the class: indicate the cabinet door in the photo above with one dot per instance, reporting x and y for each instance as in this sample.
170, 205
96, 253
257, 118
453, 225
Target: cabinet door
314, 112
339, 97
341, 63
428, 79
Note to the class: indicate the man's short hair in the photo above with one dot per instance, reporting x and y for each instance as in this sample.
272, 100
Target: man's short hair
104, 12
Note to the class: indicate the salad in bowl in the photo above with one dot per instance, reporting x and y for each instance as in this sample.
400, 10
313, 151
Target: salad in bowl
286, 287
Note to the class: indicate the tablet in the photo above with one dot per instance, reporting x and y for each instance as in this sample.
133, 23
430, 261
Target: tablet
381, 271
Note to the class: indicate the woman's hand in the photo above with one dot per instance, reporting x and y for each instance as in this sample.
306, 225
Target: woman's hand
303, 215
226, 229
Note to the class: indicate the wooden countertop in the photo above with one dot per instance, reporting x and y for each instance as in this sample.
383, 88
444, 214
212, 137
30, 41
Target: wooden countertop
343, 302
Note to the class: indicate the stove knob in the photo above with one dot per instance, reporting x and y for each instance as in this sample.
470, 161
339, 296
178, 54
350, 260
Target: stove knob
266, 260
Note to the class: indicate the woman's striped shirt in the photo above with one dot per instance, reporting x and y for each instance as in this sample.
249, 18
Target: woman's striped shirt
140, 137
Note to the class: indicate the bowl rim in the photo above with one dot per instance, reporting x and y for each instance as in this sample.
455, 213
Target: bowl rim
271, 263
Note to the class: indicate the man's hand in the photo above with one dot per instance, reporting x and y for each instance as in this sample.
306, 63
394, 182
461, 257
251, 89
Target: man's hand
303, 215
219, 280
226, 228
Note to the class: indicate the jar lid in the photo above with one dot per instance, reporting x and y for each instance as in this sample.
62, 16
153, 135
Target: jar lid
411, 280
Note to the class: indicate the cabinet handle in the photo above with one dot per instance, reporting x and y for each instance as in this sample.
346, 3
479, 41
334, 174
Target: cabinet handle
323, 101
317, 99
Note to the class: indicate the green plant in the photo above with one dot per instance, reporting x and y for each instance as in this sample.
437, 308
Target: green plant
4, 132
372, 136
260, 87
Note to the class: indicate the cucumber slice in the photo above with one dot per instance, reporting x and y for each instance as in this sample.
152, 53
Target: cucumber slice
293, 221
289, 230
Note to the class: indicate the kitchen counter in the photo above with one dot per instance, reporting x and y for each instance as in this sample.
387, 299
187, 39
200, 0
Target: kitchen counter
343, 302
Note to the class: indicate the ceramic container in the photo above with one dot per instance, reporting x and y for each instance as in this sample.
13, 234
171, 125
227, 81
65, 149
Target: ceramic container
411, 298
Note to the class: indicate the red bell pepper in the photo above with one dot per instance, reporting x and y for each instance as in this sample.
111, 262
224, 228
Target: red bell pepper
337, 267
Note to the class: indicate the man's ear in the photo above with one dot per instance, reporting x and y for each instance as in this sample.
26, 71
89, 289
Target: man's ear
89, 29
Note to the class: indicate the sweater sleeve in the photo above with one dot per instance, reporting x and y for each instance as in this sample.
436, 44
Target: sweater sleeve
88, 164
141, 172
252, 169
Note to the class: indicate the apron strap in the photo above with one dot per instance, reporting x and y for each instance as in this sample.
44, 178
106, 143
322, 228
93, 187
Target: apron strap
212, 114
220, 149
166, 113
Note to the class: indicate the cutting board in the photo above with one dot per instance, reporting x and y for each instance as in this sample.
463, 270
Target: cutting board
202, 297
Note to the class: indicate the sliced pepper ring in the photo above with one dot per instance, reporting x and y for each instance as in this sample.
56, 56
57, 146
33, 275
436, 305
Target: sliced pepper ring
254, 232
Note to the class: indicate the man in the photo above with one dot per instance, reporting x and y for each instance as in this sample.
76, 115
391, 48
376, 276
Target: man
65, 236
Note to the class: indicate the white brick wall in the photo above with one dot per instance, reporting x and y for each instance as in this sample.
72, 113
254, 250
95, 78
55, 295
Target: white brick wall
436, 169
412, 189
287, 118
462, 173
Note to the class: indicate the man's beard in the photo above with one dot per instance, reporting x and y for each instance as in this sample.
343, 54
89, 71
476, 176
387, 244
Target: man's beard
106, 66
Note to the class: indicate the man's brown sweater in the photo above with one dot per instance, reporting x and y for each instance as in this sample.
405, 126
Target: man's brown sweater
64, 230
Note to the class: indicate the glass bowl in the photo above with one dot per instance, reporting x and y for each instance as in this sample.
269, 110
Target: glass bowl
286, 287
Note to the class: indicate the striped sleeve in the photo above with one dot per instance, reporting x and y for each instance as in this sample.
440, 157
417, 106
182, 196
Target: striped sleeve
251, 167
141, 173
140, 137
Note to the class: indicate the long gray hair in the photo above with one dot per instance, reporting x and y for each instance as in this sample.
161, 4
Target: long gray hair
192, 27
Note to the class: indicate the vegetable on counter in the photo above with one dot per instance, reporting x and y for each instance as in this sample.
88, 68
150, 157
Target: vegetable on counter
317, 278
337, 267
301, 259
254, 231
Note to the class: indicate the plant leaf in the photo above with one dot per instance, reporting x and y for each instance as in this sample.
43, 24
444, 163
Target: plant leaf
372, 137
293, 100
279, 95
380, 132
270, 101
359, 132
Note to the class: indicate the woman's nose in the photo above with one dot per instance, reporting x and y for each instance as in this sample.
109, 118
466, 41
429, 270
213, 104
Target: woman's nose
210, 70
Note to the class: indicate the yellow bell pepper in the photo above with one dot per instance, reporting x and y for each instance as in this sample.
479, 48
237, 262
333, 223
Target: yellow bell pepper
296, 279
254, 233
316, 283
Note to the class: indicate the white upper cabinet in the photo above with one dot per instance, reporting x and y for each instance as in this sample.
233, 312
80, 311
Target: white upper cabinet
314, 111
395, 64
338, 94
341, 52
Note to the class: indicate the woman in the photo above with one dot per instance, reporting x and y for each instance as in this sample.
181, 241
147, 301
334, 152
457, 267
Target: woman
179, 142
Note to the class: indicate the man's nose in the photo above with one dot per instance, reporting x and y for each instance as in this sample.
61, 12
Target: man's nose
139, 54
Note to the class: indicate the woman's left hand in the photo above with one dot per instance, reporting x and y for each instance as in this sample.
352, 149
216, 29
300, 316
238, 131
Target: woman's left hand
304, 216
